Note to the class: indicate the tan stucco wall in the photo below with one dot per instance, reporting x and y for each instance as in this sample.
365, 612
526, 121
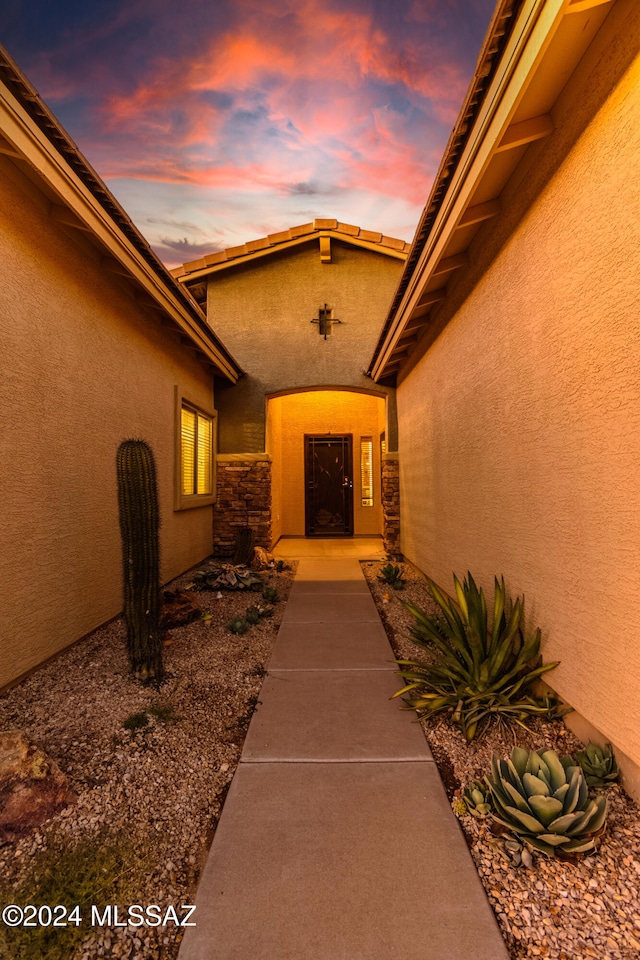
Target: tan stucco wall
82, 369
520, 427
263, 313
319, 412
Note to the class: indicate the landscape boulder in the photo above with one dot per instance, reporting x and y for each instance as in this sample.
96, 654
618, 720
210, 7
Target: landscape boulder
33, 788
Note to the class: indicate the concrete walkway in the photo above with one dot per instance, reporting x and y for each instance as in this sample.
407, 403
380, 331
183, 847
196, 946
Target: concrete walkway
337, 841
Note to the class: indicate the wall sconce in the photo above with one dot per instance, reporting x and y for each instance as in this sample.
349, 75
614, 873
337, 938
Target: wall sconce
324, 321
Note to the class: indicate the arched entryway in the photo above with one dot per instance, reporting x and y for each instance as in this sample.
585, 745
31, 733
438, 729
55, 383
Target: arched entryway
326, 448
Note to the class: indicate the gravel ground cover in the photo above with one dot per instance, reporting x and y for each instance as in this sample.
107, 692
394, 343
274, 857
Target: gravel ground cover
558, 911
155, 791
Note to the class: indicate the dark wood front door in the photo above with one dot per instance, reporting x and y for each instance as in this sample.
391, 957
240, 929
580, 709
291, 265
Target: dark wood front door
329, 486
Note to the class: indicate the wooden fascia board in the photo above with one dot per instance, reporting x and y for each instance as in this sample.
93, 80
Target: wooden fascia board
532, 34
578, 6
32, 146
187, 278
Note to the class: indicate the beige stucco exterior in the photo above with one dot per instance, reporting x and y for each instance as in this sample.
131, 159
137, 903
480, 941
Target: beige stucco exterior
84, 367
321, 412
520, 424
263, 312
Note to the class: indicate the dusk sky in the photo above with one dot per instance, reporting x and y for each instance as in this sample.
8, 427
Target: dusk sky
217, 122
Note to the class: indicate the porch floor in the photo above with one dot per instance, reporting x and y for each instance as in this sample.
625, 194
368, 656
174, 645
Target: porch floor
357, 548
337, 841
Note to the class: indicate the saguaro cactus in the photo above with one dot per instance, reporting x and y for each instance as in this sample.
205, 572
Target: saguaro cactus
139, 521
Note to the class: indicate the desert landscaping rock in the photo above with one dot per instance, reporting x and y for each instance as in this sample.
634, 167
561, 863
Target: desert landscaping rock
556, 911
162, 786
32, 786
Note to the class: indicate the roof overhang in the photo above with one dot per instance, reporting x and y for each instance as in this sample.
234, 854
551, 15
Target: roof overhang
194, 275
541, 43
31, 137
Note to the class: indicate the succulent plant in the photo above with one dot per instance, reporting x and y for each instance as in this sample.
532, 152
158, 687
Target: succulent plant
252, 615
544, 801
244, 544
480, 672
599, 765
238, 625
225, 576
265, 610
392, 575
477, 798
270, 594
139, 520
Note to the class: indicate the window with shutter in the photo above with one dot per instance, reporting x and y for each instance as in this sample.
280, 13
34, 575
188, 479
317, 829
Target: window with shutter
195, 456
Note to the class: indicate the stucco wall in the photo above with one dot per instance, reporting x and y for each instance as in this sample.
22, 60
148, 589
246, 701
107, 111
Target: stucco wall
319, 412
520, 427
263, 313
82, 369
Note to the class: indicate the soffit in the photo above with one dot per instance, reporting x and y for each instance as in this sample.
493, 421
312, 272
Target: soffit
531, 50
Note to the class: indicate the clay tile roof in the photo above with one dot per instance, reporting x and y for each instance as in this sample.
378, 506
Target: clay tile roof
301, 230
348, 228
349, 231
325, 224
370, 235
260, 244
280, 237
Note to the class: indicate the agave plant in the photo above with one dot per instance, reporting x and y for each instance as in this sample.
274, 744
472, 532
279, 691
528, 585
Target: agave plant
477, 798
480, 672
252, 615
392, 575
544, 800
600, 766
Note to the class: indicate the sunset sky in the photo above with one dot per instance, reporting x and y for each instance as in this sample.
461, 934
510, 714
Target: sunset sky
218, 122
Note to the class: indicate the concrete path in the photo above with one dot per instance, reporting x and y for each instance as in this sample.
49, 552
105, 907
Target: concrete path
337, 841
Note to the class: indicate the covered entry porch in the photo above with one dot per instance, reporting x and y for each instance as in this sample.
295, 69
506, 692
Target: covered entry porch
328, 453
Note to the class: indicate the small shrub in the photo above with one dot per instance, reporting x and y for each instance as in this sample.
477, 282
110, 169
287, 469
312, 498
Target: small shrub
392, 575
480, 673
163, 712
135, 721
100, 870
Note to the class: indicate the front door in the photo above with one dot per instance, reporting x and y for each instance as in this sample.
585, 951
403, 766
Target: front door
329, 486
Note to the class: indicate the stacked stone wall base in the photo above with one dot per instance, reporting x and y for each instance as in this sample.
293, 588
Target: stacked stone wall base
391, 506
243, 499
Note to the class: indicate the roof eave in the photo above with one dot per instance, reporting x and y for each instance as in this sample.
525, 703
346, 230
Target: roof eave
33, 136
497, 125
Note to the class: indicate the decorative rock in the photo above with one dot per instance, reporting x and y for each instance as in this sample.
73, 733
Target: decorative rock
32, 786
261, 559
178, 608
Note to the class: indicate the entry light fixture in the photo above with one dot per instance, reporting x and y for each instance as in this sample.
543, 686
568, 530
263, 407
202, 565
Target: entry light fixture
324, 320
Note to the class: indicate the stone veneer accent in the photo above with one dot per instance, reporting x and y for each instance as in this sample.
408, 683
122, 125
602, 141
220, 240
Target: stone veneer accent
244, 499
391, 505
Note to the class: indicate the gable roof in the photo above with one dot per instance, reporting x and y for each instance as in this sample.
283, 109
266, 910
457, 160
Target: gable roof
531, 49
33, 139
194, 273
